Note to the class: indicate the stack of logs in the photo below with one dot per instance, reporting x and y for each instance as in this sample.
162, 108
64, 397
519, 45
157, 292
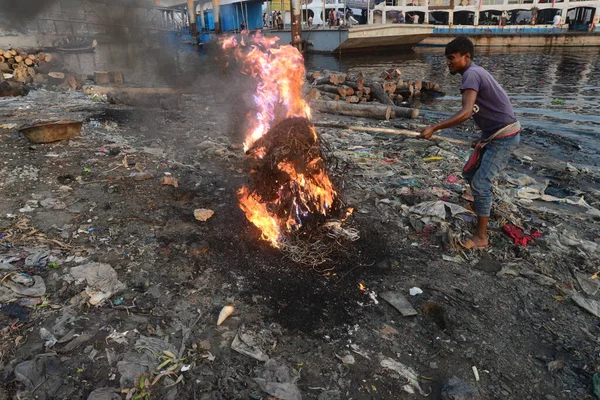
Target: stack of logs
380, 97
21, 64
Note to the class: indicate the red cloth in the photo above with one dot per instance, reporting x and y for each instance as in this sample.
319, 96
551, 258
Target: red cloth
518, 236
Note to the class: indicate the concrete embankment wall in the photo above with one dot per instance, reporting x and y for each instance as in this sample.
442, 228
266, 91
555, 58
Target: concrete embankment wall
539, 40
58, 19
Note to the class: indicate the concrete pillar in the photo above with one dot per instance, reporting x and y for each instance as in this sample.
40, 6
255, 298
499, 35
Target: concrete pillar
450, 17
383, 15
426, 18
191, 10
476, 18
202, 18
216, 15
296, 27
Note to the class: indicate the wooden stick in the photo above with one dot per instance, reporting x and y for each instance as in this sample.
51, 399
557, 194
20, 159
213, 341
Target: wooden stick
384, 130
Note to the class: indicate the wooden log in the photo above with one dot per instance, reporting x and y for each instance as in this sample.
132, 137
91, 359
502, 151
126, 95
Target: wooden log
352, 99
116, 77
2, 59
11, 89
18, 59
20, 75
349, 91
70, 82
152, 100
4, 67
315, 75
360, 81
378, 93
370, 129
329, 96
376, 111
326, 79
93, 89
7, 55
405, 90
314, 94
418, 85
389, 87
101, 77
47, 58
56, 75
41, 56
341, 78
28, 61
13, 52
40, 78
332, 89
31, 57
403, 112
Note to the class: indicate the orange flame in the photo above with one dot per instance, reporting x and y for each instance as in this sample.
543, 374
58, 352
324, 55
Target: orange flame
280, 73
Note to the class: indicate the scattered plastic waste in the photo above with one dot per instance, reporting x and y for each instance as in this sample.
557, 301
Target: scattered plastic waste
225, 312
518, 236
405, 372
101, 280
399, 302
415, 291
203, 214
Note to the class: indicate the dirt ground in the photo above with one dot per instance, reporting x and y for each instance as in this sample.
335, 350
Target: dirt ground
90, 199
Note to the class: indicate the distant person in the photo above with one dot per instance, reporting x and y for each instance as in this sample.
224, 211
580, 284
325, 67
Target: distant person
415, 18
556, 20
504, 18
350, 18
400, 17
279, 21
243, 25
331, 17
310, 21
339, 15
264, 20
486, 101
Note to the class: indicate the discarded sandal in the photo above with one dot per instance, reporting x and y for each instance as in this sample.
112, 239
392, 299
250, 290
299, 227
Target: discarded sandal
470, 244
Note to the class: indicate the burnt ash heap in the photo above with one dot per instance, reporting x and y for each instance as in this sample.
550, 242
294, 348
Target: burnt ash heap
291, 141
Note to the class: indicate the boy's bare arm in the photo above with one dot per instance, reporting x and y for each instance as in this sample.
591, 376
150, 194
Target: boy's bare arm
468, 101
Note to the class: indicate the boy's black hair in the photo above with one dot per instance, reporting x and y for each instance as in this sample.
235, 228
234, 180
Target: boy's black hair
461, 45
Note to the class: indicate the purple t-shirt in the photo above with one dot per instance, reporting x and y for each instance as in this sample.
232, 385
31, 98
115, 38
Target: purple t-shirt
492, 110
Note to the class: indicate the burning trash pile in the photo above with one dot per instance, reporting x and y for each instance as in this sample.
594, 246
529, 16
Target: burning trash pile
289, 195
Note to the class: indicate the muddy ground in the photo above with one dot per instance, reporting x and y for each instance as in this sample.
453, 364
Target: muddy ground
522, 333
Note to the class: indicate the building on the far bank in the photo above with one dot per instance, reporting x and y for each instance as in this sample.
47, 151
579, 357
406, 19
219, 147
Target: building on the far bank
575, 15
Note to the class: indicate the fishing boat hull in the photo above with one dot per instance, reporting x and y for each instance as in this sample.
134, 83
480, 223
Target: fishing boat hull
359, 38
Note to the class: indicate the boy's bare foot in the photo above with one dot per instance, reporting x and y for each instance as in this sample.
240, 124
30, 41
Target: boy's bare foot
473, 242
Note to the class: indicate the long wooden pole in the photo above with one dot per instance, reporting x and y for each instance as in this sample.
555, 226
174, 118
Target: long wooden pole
359, 128
296, 28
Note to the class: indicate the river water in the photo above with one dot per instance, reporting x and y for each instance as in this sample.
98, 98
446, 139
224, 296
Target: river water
556, 90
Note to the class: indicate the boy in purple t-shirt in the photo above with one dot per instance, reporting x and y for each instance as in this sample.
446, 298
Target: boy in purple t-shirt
486, 101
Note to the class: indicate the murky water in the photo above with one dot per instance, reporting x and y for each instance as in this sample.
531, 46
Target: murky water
557, 90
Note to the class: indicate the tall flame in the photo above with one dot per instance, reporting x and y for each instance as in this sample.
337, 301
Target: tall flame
280, 73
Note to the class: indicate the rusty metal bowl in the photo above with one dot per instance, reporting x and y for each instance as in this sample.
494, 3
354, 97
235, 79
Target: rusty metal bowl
51, 131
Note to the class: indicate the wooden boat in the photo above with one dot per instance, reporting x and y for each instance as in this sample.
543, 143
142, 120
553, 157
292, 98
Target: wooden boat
80, 48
